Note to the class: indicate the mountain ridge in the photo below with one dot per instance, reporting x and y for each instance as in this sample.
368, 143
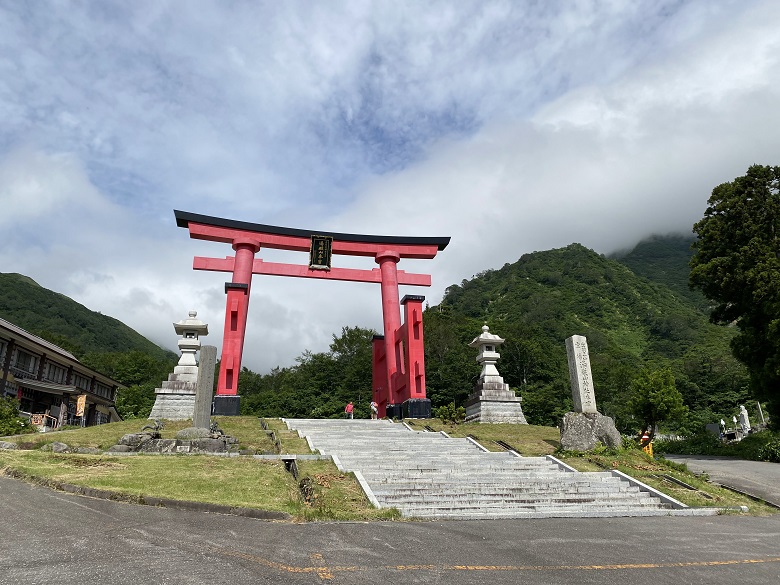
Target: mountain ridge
61, 320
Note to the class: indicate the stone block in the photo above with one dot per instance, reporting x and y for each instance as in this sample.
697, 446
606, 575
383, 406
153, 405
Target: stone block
8, 446
57, 447
227, 405
120, 449
134, 439
394, 411
495, 411
176, 406
416, 408
493, 402
583, 431
208, 445
193, 433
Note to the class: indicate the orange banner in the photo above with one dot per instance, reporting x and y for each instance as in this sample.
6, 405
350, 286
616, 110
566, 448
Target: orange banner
81, 402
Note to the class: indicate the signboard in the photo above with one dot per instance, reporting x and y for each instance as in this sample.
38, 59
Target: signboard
81, 402
320, 252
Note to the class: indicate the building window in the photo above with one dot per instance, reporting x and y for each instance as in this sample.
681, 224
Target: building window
55, 373
102, 390
25, 362
81, 382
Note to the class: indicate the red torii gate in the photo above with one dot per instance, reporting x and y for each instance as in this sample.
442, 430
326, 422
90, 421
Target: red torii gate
398, 359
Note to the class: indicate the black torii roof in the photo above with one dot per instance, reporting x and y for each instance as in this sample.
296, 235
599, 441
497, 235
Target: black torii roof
183, 218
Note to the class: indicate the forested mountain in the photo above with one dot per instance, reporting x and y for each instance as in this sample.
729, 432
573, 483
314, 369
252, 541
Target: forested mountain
665, 260
65, 322
635, 309
98, 341
630, 322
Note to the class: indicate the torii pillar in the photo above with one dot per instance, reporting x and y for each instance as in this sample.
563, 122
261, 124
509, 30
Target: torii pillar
399, 370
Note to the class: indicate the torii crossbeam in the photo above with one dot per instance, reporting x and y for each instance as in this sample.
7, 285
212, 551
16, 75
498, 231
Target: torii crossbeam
399, 355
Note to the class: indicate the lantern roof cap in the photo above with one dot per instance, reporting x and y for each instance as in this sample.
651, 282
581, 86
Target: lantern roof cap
191, 323
486, 338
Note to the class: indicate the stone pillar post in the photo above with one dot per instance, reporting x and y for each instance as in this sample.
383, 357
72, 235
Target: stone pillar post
202, 416
579, 374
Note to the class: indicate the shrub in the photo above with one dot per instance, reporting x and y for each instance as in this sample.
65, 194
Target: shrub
770, 451
449, 414
10, 421
704, 443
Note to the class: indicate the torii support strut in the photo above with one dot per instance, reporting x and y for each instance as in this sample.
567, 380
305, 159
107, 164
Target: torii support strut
399, 367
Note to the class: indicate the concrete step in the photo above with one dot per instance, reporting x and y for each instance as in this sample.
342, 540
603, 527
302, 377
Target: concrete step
492, 500
427, 475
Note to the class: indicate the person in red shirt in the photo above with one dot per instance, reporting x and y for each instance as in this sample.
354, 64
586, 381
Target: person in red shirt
348, 410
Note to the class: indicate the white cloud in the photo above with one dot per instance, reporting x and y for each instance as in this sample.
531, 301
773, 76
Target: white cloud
604, 165
511, 127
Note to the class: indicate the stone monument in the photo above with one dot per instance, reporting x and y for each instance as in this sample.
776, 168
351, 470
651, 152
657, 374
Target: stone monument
175, 400
582, 429
492, 401
744, 421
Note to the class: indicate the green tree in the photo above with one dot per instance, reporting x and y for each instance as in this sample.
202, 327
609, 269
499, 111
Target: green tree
10, 421
655, 399
139, 371
737, 265
319, 385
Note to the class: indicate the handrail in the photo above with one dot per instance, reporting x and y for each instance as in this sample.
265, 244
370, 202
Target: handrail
44, 420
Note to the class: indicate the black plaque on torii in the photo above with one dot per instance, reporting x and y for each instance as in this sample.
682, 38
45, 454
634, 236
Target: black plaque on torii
320, 252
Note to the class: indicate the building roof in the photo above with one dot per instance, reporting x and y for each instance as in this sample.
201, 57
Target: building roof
25, 338
36, 340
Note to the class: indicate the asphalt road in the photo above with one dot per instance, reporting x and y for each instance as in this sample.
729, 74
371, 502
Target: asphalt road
758, 478
53, 537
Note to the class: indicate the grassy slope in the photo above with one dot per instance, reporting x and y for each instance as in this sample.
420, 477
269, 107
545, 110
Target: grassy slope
266, 484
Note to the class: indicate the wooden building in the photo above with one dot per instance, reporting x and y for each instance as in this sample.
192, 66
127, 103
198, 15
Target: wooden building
54, 388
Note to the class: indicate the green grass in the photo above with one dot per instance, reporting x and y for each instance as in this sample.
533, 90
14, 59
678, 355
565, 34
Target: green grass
242, 482
637, 464
338, 496
528, 440
262, 484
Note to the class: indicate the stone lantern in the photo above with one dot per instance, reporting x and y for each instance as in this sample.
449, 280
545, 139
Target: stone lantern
487, 343
492, 401
175, 399
190, 330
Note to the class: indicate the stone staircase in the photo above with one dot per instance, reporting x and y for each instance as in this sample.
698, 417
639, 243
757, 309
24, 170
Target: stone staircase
429, 475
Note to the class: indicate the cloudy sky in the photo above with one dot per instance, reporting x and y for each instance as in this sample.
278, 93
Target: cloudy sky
510, 126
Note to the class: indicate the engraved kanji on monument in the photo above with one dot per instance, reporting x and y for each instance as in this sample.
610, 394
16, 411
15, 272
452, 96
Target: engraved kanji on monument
582, 429
579, 374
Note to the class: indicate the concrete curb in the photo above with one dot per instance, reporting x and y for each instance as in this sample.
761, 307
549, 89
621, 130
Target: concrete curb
367, 489
676, 504
748, 494
477, 445
560, 464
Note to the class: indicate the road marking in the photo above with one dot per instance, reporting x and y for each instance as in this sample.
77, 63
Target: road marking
327, 573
